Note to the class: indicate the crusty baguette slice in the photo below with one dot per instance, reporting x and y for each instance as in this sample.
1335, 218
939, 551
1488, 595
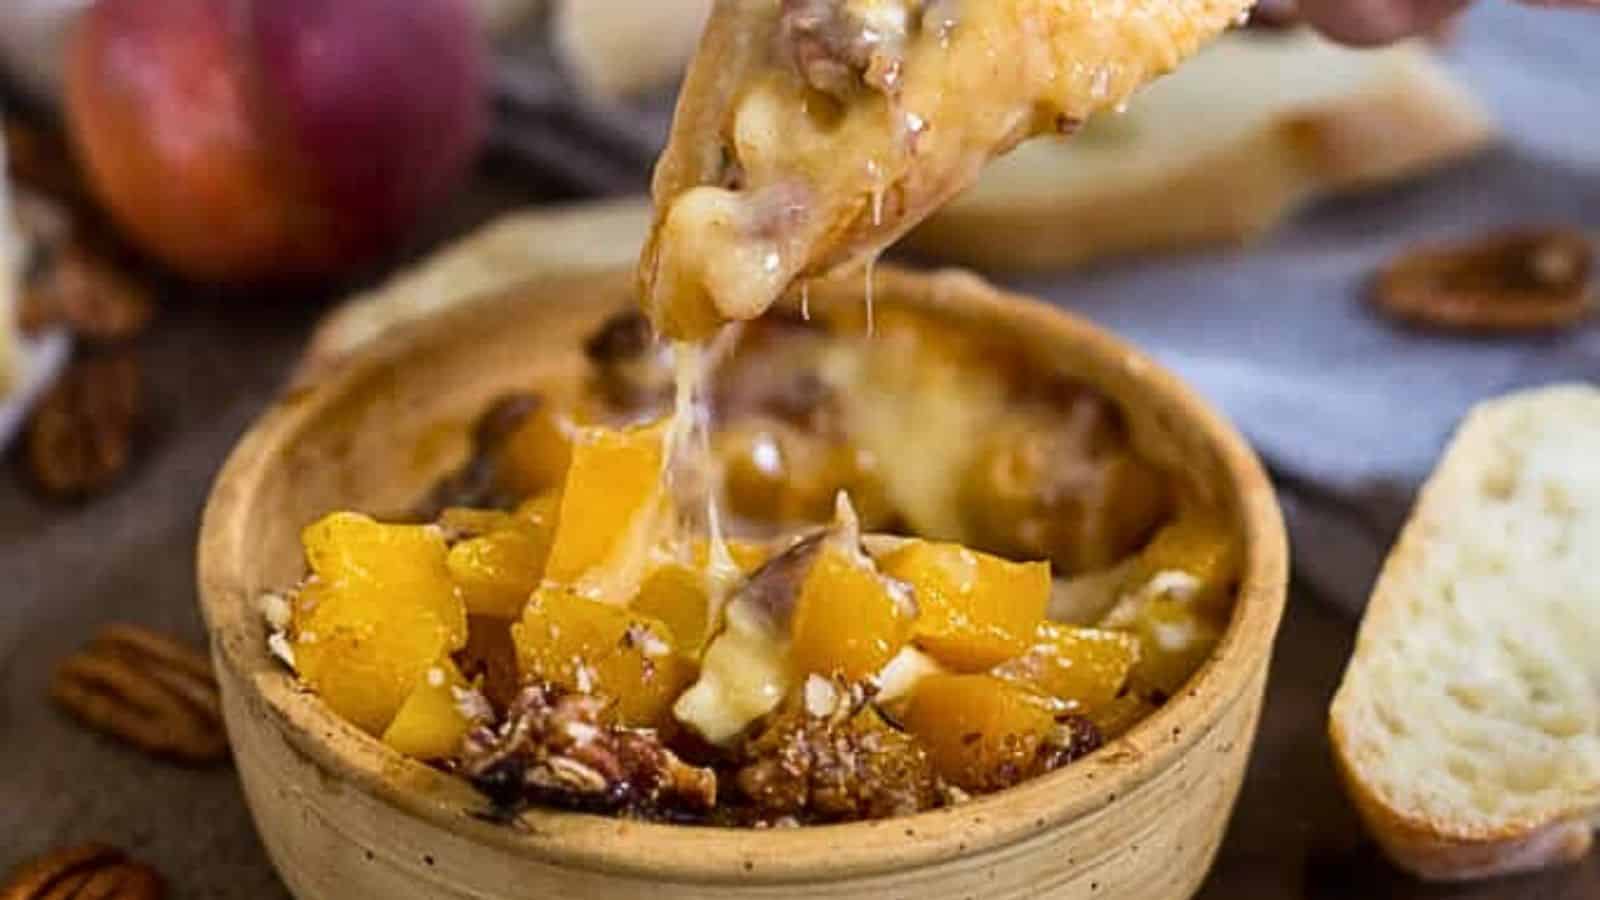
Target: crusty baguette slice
1467, 728
811, 134
1198, 158
516, 247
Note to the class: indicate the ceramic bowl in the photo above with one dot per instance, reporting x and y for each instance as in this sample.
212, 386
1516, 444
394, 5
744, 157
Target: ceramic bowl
345, 818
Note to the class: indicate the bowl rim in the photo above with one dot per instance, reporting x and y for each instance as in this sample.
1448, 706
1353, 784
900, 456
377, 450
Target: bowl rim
708, 854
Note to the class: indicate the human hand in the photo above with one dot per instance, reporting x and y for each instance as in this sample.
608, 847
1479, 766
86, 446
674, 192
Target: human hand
1368, 22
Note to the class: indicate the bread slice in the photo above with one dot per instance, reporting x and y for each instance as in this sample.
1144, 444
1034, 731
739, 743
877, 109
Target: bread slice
1198, 159
1467, 728
583, 237
810, 135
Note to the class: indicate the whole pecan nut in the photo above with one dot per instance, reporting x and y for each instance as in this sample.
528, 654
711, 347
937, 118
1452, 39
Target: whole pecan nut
1517, 280
85, 872
80, 440
148, 690
88, 294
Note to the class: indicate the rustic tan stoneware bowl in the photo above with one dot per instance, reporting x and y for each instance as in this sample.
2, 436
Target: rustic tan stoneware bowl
344, 818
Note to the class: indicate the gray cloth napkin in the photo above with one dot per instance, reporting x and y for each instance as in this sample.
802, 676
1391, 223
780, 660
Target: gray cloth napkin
1349, 410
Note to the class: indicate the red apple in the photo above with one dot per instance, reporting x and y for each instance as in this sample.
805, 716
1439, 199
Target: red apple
240, 139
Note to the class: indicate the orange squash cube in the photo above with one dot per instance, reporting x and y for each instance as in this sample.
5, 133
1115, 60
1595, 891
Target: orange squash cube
593, 647
611, 499
498, 569
535, 457
1083, 668
378, 611
430, 724
679, 597
1201, 545
982, 733
848, 619
975, 611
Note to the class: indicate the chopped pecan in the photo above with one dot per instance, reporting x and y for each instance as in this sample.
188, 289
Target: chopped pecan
1517, 280
147, 689
845, 765
80, 440
84, 291
85, 872
555, 747
837, 46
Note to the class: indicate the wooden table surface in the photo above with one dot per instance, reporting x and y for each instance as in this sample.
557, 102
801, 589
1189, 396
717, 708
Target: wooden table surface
212, 362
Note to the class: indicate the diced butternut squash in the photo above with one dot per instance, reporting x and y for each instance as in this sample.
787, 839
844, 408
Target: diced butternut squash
849, 620
679, 597
1201, 545
611, 500
982, 733
593, 647
535, 457
975, 611
1083, 668
378, 611
430, 724
499, 569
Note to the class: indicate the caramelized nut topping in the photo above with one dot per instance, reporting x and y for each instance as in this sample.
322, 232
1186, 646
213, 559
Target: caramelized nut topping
555, 748
844, 766
80, 440
85, 872
1517, 280
147, 689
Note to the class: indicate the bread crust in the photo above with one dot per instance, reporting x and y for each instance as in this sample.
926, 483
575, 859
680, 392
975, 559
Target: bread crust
1384, 132
1430, 847
1436, 851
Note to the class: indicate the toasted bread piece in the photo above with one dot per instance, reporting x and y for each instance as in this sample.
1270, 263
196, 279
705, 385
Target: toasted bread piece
1198, 159
518, 246
1467, 728
810, 134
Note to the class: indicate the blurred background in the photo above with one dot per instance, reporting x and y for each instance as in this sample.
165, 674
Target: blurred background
206, 201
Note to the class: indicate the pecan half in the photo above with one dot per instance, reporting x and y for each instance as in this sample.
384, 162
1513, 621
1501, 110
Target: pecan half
80, 440
1526, 279
87, 293
85, 872
149, 690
